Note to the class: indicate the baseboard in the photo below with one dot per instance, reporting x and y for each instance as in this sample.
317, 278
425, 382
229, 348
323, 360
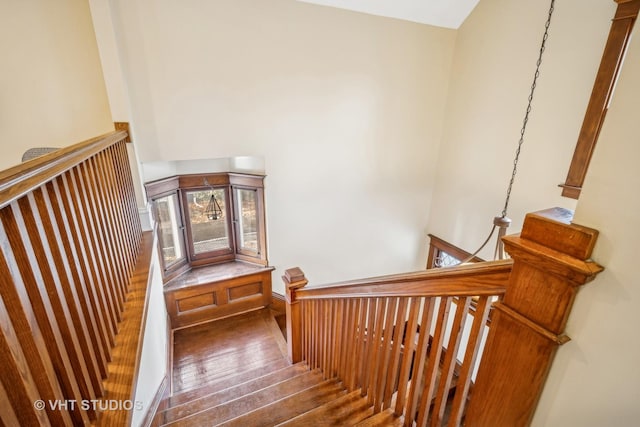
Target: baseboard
161, 395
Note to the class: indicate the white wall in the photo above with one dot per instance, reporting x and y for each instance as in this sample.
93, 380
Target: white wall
595, 378
346, 109
494, 62
51, 84
155, 348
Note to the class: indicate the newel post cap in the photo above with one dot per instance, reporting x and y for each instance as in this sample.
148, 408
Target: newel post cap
293, 279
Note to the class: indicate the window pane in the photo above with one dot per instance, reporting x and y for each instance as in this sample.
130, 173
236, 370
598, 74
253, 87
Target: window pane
208, 232
248, 219
169, 226
445, 260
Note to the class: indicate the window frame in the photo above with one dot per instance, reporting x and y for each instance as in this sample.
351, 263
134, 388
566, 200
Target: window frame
230, 182
214, 256
237, 222
174, 269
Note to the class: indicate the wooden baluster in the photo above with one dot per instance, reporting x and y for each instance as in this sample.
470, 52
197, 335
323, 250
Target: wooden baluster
386, 350
354, 363
338, 336
127, 181
420, 359
312, 336
318, 324
83, 207
346, 324
377, 340
551, 262
8, 416
67, 268
107, 185
394, 364
433, 364
95, 197
326, 337
407, 359
126, 199
470, 357
19, 387
370, 344
293, 279
115, 189
45, 237
79, 279
22, 261
449, 365
91, 271
304, 315
334, 343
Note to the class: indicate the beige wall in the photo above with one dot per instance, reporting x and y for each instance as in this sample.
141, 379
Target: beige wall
495, 57
52, 90
594, 380
346, 110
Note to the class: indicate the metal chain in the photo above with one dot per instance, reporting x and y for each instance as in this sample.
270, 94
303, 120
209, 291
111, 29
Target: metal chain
526, 116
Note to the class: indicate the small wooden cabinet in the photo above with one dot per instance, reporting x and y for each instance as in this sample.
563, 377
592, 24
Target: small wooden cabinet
212, 292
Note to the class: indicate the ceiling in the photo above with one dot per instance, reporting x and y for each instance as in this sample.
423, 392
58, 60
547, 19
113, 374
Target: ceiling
441, 13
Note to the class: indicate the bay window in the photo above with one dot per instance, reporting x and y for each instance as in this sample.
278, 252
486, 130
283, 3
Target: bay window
208, 219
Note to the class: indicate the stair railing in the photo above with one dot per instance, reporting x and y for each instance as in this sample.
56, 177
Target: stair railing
406, 341
403, 342
70, 235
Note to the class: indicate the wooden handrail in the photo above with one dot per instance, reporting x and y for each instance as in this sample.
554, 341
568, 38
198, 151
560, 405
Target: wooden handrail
25, 177
483, 278
70, 236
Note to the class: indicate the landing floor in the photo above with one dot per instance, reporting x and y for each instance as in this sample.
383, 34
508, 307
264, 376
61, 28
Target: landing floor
216, 350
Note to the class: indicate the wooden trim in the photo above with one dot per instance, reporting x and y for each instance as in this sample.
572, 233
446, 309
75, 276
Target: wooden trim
437, 244
124, 126
487, 278
19, 180
294, 281
278, 302
203, 180
528, 324
170, 360
162, 187
161, 394
124, 367
603, 87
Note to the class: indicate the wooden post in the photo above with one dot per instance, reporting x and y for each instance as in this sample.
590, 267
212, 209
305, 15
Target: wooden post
603, 87
551, 262
294, 279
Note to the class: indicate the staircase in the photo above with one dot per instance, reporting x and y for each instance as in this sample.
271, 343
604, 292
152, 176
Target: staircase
276, 393
76, 271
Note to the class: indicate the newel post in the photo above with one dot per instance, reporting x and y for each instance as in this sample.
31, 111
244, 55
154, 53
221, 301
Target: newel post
551, 262
294, 279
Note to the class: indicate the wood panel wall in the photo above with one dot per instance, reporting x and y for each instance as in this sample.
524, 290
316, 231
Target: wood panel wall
69, 238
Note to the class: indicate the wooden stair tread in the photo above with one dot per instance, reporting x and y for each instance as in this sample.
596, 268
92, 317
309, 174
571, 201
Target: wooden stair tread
236, 391
385, 418
226, 382
290, 406
347, 410
249, 402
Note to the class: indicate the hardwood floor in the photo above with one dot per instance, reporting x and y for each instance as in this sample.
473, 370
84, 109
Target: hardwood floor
217, 350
